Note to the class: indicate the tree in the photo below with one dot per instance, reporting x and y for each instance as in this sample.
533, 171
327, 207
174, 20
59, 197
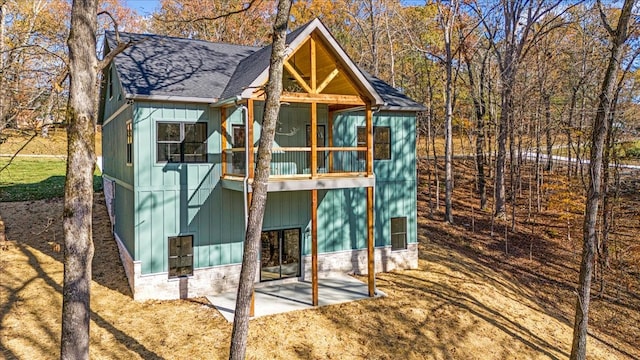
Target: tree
249, 269
520, 25
84, 68
215, 20
618, 37
447, 21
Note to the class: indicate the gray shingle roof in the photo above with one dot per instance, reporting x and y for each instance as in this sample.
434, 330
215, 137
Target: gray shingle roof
166, 66
185, 68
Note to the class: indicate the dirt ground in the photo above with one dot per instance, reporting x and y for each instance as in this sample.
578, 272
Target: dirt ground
467, 300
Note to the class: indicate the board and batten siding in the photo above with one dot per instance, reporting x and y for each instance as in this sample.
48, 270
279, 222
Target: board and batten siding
395, 190
114, 161
183, 199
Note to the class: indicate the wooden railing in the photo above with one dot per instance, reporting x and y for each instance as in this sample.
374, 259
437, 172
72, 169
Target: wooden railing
296, 161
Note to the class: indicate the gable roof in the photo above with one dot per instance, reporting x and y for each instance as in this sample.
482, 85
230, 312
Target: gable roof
167, 68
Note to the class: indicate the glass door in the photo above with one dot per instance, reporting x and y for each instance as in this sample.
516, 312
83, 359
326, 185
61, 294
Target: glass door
280, 254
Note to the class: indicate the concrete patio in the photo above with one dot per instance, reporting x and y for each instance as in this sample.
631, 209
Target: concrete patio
295, 295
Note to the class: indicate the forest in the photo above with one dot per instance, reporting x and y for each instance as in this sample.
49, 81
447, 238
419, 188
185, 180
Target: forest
531, 108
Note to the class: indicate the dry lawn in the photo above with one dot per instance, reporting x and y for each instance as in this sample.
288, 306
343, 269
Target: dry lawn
466, 301
55, 144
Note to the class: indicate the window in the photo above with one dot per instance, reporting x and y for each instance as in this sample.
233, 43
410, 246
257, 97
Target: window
129, 128
381, 142
180, 256
182, 142
109, 84
398, 233
238, 158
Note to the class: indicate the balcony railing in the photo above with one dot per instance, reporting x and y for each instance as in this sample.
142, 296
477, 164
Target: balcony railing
296, 161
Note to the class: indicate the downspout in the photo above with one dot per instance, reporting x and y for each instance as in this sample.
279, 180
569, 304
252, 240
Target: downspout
245, 180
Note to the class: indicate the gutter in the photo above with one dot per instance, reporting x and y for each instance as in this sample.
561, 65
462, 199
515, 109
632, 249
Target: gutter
245, 179
232, 100
189, 99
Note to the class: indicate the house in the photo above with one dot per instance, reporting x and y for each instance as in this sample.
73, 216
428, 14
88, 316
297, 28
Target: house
180, 123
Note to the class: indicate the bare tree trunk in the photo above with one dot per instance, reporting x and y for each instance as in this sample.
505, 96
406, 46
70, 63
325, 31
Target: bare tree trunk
547, 124
600, 125
249, 269
3, 91
447, 28
78, 199
479, 105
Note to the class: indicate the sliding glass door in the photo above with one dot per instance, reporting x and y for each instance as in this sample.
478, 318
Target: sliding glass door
280, 254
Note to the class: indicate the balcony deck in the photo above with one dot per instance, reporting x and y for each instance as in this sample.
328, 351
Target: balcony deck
337, 168
299, 183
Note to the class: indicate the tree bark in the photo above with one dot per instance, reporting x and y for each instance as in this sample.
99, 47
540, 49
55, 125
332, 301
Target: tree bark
447, 28
480, 110
600, 125
3, 90
249, 270
78, 200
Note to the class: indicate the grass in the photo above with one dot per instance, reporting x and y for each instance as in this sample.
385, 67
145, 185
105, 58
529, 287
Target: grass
35, 179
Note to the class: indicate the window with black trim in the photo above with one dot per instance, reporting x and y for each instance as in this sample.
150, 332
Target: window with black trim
381, 142
398, 233
110, 84
180, 256
179, 142
129, 131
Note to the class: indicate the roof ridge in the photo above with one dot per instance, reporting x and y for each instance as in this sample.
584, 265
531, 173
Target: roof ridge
171, 37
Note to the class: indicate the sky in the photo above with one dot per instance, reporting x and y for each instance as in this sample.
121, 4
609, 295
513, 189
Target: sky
143, 7
146, 7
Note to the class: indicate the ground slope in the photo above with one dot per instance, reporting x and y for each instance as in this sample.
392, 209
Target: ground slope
457, 305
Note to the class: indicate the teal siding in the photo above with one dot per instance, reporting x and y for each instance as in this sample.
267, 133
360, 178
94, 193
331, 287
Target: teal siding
112, 102
114, 166
124, 220
177, 199
114, 143
395, 191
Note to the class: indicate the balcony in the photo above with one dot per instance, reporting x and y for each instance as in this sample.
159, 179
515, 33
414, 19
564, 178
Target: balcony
290, 169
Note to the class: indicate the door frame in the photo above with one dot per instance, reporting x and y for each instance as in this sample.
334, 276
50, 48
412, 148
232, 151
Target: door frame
280, 232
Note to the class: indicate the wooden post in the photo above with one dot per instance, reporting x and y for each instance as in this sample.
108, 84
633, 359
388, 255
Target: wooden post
223, 140
330, 139
252, 308
314, 139
314, 85
249, 146
370, 243
369, 127
314, 247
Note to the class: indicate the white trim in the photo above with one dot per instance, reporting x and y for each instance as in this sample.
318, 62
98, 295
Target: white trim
118, 181
188, 99
115, 114
353, 70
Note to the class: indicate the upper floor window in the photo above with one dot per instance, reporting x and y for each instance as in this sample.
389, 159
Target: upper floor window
179, 142
129, 128
109, 84
381, 141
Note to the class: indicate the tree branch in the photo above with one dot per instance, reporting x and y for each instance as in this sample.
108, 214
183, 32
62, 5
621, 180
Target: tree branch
212, 18
603, 17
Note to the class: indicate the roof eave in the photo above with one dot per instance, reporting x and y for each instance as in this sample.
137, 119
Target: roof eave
172, 98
